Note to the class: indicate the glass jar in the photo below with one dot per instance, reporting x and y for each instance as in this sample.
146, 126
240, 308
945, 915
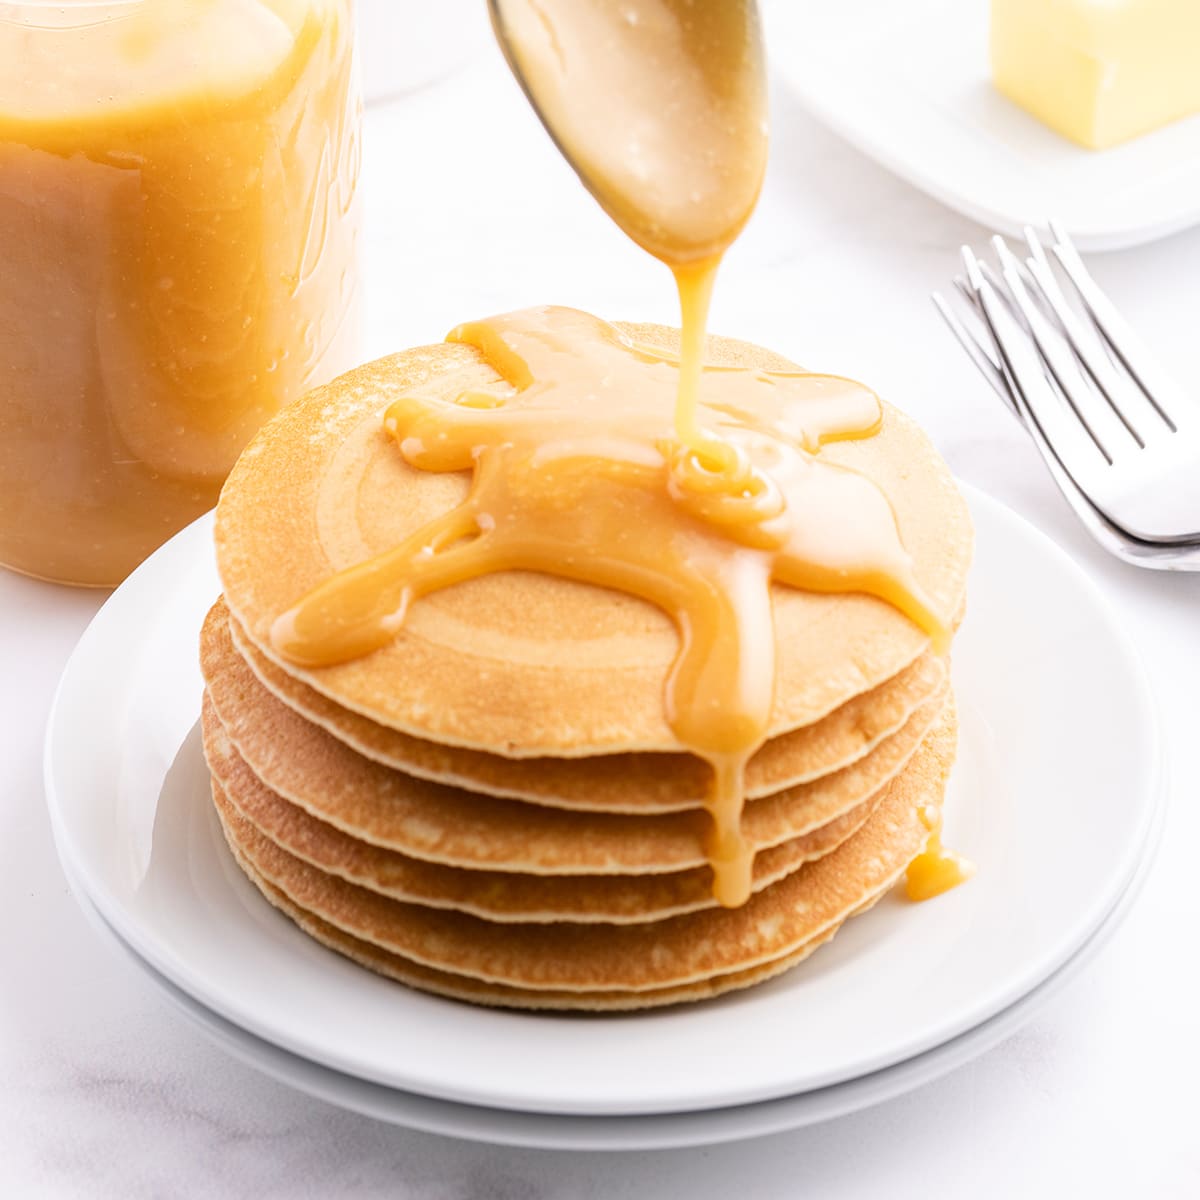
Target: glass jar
178, 234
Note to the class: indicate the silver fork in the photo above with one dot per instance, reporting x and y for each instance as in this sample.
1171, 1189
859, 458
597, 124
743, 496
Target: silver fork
1120, 440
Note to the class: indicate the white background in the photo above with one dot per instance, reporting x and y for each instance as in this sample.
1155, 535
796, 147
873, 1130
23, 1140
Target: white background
104, 1091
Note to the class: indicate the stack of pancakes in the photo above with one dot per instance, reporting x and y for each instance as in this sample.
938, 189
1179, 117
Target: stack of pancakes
493, 807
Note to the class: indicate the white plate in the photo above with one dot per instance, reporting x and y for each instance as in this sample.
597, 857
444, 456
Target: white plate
909, 84
1053, 797
657, 1132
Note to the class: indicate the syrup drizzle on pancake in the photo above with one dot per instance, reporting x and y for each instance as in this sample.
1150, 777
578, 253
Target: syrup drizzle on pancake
580, 472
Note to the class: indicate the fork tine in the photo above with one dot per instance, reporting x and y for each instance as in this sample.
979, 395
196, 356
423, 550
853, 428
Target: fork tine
984, 268
1171, 403
978, 330
964, 290
1109, 437
988, 272
980, 354
1002, 291
1038, 399
1055, 301
1121, 396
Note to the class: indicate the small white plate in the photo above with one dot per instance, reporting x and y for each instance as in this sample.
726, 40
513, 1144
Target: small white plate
648, 1132
1053, 797
909, 85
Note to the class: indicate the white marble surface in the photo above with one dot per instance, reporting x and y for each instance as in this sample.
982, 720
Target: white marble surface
105, 1091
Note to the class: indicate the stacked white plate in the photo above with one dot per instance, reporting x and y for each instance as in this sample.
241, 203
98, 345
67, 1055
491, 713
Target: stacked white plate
1056, 797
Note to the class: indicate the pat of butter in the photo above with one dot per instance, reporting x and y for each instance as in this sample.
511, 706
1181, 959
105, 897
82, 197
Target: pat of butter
1098, 71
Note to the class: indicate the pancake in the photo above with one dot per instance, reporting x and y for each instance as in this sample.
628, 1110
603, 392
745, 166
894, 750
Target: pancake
494, 995
483, 795
522, 664
649, 782
570, 958
497, 895
315, 771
